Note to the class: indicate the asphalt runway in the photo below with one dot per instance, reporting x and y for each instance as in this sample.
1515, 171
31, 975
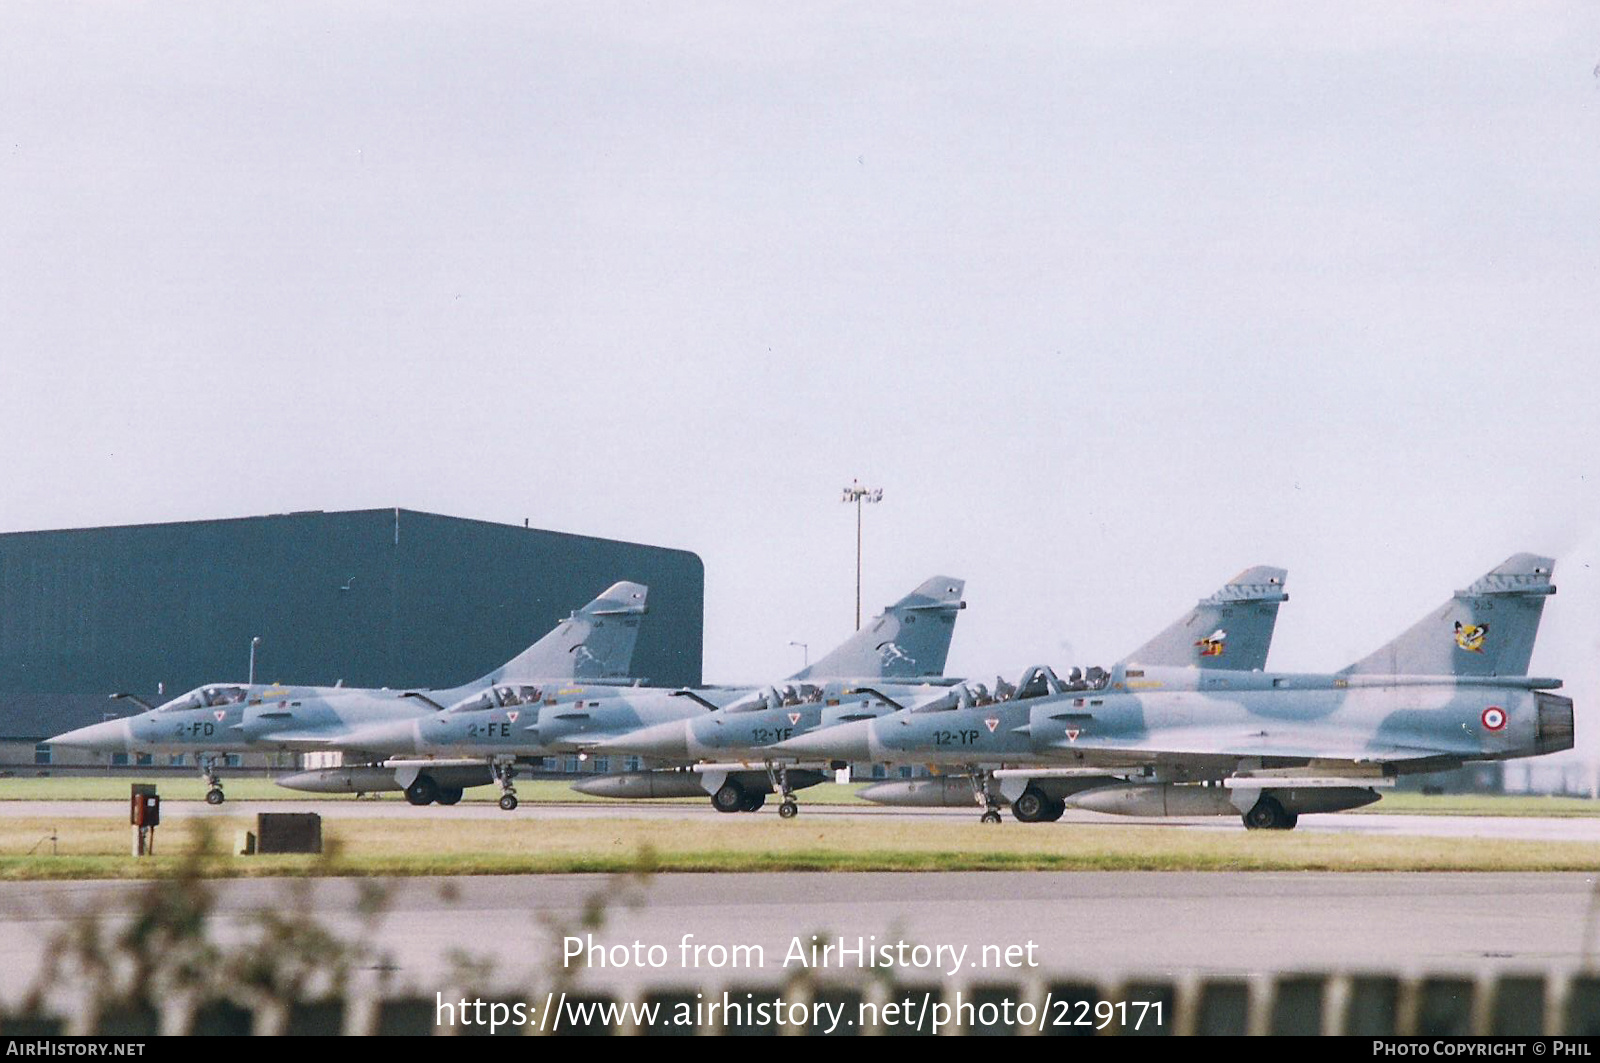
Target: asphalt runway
1526, 828
1101, 924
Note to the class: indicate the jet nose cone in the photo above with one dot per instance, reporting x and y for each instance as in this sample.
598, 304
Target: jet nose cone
845, 741
108, 736
666, 741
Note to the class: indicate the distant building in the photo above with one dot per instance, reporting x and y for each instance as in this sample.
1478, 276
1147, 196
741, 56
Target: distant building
381, 597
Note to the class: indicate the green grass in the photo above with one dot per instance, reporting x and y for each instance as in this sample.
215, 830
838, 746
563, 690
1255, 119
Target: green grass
96, 847
1411, 803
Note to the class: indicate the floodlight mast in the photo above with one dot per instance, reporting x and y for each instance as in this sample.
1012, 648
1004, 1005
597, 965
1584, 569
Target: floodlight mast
859, 494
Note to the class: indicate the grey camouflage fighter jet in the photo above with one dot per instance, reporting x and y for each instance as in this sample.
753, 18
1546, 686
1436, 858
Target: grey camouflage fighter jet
740, 746
890, 663
902, 650
985, 730
1160, 741
594, 644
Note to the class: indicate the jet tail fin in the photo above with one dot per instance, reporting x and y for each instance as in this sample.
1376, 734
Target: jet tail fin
1487, 629
595, 642
1232, 629
908, 640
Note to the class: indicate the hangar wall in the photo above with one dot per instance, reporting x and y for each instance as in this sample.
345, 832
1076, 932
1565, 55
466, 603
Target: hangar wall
383, 597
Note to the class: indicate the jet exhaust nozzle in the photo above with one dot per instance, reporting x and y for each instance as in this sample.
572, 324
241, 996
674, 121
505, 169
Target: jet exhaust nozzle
1555, 730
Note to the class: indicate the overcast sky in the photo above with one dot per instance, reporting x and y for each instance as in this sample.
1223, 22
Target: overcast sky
1111, 300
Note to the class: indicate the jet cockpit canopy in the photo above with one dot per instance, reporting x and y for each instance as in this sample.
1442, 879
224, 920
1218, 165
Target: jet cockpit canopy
207, 697
502, 696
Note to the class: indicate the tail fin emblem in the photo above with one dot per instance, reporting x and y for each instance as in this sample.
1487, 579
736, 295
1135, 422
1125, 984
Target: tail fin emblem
1470, 637
889, 653
1212, 645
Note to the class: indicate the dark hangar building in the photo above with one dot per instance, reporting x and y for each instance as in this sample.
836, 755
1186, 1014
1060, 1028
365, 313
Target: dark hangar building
378, 597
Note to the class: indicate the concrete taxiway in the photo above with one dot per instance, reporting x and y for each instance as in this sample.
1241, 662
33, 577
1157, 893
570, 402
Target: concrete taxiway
1100, 924
1525, 828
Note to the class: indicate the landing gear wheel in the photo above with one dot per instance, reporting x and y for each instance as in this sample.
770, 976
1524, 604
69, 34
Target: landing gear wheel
1057, 810
730, 797
208, 775
503, 771
424, 791
754, 802
1031, 807
778, 778
449, 796
983, 795
1268, 814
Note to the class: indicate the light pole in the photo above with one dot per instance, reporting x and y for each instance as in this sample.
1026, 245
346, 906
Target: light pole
254, 642
805, 654
858, 494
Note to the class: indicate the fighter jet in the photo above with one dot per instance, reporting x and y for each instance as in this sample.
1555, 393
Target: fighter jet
485, 735
1234, 629
985, 732
1159, 741
887, 665
594, 644
902, 650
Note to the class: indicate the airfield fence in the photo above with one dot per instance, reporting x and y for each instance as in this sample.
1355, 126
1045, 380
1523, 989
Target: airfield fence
1366, 1004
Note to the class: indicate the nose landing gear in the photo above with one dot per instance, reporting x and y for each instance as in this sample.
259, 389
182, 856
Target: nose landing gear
504, 773
208, 772
778, 776
985, 796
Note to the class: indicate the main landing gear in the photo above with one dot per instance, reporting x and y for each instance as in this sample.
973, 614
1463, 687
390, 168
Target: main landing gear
732, 797
208, 772
504, 772
1268, 814
423, 790
1035, 806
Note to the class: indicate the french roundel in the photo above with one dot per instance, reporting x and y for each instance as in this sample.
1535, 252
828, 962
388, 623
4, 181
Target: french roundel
1494, 718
